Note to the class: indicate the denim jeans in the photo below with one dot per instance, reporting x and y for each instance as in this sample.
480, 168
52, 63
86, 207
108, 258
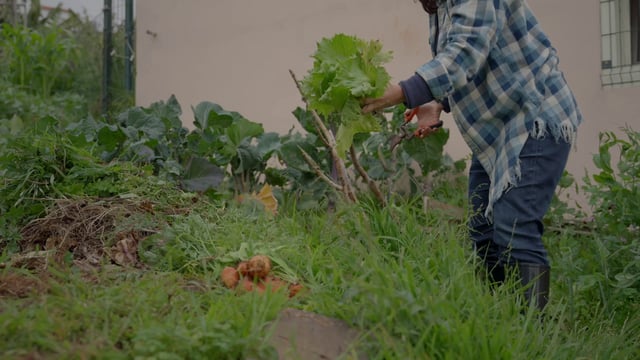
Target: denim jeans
515, 232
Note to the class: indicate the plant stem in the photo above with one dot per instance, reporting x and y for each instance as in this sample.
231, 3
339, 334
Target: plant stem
341, 169
372, 185
318, 171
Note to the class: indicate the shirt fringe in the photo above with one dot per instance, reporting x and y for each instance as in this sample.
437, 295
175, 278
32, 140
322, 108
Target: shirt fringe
565, 131
495, 194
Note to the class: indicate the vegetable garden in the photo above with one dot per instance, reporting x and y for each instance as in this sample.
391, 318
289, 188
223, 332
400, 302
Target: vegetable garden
128, 235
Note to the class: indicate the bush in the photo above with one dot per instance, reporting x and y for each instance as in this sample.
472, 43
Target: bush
599, 262
613, 191
35, 59
30, 108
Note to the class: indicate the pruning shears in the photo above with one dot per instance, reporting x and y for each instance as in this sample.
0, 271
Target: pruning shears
406, 134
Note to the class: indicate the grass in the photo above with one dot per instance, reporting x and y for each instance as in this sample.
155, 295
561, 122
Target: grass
407, 280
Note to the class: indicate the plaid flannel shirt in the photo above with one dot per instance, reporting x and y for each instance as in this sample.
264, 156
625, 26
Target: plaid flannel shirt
499, 72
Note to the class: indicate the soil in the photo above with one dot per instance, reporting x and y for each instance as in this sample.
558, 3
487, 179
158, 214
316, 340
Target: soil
81, 233
15, 284
304, 335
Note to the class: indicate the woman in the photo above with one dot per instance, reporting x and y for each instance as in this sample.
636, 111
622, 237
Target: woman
496, 71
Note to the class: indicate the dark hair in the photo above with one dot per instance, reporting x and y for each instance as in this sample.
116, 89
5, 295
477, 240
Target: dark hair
430, 6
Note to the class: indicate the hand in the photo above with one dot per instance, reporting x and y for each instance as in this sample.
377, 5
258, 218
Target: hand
428, 117
392, 96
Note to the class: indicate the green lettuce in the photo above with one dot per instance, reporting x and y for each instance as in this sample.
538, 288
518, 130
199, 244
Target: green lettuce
346, 70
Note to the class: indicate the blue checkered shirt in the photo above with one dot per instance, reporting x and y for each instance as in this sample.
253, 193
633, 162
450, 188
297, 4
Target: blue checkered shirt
499, 72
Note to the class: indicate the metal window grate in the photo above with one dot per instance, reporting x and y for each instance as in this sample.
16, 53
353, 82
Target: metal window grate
635, 31
619, 26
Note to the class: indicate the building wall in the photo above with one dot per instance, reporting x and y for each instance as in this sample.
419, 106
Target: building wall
238, 54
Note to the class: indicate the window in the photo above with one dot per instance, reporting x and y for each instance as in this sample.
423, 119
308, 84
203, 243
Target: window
620, 29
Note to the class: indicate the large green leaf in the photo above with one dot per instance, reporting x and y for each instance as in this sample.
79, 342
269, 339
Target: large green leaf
201, 174
427, 152
242, 129
208, 114
353, 122
346, 68
111, 137
268, 143
290, 153
334, 50
275, 177
353, 76
202, 144
247, 158
139, 123
85, 128
169, 112
305, 118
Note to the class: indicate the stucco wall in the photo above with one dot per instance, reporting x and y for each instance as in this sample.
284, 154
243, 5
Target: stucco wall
238, 53
574, 28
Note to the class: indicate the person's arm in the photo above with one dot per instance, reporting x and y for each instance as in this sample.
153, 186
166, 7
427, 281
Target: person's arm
472, 34
474, 24
416, 92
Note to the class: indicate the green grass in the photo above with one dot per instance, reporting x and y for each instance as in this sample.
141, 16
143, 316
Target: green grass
405, 279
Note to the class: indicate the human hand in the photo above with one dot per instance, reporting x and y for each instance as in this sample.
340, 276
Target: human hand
428, 119
392, 96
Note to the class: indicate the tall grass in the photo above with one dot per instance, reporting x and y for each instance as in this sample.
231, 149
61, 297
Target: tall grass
405, 279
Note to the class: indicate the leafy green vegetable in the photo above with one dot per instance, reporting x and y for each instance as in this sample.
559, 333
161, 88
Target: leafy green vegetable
345, 71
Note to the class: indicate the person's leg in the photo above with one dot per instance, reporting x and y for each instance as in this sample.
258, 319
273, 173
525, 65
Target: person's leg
480, 230
518, 214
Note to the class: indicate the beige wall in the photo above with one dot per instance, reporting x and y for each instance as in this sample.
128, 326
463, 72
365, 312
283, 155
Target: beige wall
238, 53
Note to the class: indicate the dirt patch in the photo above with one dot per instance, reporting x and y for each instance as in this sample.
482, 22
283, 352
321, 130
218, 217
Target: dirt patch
14, 284
304, 335
83, 228
89, 234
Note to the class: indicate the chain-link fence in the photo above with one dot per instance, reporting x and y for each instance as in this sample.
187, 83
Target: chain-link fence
13, 11
106, 39
118, 31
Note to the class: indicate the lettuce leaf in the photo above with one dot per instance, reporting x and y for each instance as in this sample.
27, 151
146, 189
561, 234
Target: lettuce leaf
346, 70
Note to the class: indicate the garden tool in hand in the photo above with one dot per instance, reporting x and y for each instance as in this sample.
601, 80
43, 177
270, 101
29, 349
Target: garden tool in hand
406, 134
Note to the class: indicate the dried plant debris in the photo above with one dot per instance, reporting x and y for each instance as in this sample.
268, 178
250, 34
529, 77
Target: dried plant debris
125, 251
83, 228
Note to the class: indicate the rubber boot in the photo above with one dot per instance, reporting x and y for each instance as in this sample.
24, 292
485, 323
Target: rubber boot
535, 280
495, 274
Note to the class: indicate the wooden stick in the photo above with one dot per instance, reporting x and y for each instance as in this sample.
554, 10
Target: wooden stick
372, 185
316, 168
320, 133
341, 169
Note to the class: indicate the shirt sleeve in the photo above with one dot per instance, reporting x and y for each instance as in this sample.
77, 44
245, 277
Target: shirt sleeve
416, 93
469, 39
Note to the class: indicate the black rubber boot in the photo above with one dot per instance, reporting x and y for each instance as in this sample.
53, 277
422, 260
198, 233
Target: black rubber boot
495, 274
535, 280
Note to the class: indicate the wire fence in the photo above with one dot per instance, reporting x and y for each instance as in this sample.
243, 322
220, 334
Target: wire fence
13, 11
119, 49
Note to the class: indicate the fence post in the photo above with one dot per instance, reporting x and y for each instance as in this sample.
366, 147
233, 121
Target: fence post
128, 46
107, 46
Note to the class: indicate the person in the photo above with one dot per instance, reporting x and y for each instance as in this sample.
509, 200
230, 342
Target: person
496, 72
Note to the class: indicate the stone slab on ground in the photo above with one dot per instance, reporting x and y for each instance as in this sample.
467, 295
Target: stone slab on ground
303, 335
